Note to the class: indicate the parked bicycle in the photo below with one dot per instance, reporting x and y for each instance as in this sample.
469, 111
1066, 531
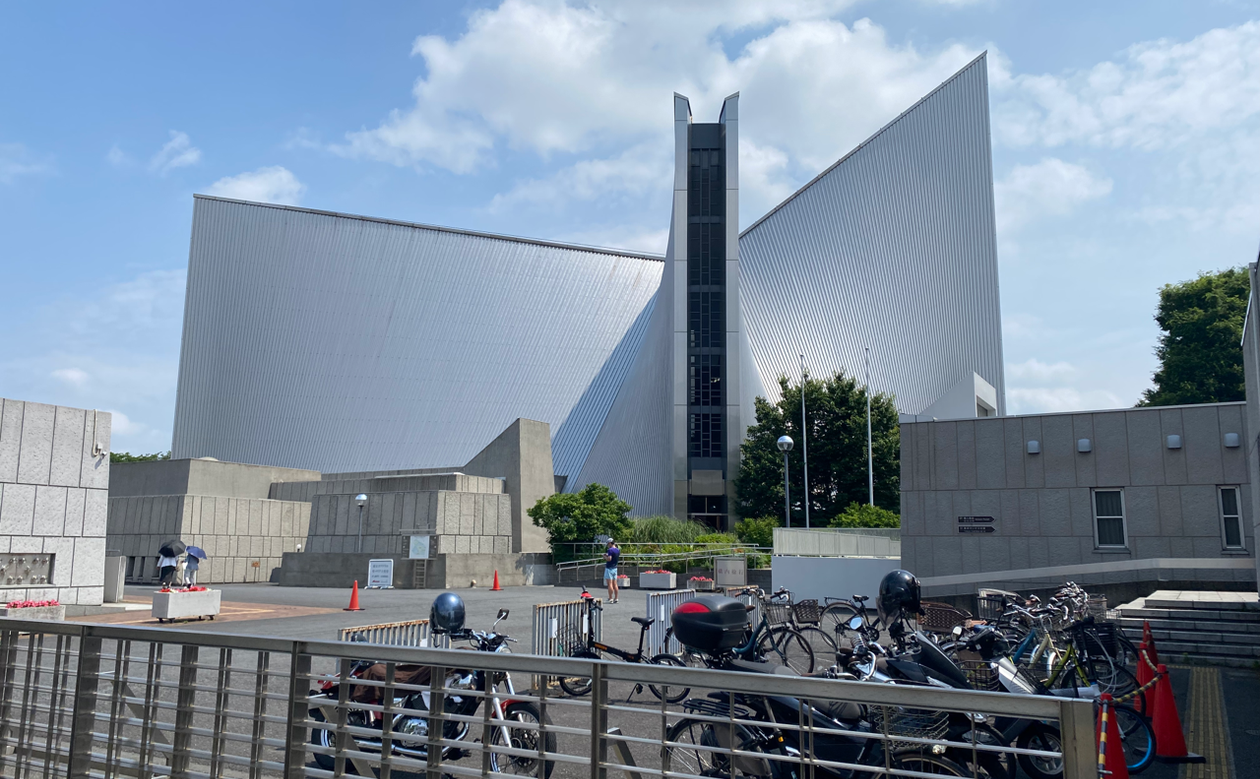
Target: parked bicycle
781, 644
590, 649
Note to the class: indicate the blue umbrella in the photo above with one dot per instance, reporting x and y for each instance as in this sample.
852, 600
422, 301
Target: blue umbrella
198, 552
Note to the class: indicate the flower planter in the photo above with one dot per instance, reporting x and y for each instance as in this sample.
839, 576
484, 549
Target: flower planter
55, 613
658, 581
184, 604
704, 585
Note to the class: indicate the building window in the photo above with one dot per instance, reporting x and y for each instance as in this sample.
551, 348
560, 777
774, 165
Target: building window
706, 435
706, 379
1109, 529
1231, 519
706, 327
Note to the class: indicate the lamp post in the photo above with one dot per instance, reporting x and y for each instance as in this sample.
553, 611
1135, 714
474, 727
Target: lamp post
361, 501
785, 446
805, 440
870, 452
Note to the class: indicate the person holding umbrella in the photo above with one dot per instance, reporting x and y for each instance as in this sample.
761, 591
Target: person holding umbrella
195, 555
168, 561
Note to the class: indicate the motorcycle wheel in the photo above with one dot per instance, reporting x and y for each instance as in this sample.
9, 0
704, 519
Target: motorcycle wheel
521, 738
669, 694
990, 765
577, 686
328, 740
926, 763
1046, 738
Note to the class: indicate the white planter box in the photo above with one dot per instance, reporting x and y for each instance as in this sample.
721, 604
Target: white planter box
658, 581
701, 586
185, 605
57, 613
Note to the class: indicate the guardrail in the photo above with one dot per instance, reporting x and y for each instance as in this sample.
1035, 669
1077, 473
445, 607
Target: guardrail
414, 633
635, 556
83, 700
556, 627
660, 605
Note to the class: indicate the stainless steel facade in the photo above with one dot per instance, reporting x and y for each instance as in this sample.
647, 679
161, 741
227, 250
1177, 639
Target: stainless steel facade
341, 343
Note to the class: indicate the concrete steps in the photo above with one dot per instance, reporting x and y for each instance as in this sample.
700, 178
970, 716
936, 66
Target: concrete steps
1214, 628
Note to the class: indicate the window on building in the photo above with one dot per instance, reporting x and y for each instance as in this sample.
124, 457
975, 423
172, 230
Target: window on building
706, 435
1109, 518
706, 379
1231, 519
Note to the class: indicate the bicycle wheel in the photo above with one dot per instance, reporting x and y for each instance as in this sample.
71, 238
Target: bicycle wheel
786, 646
823, 645
577, 686
1138, 738
1116, 680
690, 749
927, 763
835, 622
666, 693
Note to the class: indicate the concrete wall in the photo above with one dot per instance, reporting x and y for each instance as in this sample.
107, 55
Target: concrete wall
831, 577
201, 477
313, 569
54, 485
521, 455
1251, 372
1042, 503
245, 538
460, 522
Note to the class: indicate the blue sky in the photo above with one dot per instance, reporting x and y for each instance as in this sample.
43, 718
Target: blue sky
1126, 144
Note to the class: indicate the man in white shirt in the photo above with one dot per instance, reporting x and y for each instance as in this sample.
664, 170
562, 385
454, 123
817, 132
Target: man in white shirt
167, 567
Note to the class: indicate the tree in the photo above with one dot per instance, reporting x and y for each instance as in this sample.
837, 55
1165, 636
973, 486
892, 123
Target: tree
128, 457
837, 451
579, 517
1200, 360
866, 515
757, 531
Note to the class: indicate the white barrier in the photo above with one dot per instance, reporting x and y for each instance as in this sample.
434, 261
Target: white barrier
831, 577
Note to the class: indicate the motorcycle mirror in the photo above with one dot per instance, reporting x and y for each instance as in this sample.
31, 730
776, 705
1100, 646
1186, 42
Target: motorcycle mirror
957, 631
855, 623
503, 613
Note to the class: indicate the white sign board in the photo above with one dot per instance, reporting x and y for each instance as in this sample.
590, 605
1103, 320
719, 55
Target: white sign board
730, 571
419, 548
380, 574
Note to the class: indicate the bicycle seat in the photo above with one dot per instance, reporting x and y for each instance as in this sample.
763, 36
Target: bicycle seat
644, 621
861, 598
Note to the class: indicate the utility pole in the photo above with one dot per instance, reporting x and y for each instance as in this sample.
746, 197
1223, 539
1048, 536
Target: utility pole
870, 454
805, 440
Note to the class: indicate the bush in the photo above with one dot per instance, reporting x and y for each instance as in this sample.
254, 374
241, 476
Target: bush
664, 530
580, 517
866, 515
757, 531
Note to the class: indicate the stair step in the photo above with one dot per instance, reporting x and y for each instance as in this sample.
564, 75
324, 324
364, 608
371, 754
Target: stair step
1162, 603
1204, 637
1206, 625
1171, 651
1191, 614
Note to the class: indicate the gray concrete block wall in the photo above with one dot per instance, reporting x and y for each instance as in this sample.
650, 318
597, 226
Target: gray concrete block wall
53, 493
460, 522
1043, 505
245, 538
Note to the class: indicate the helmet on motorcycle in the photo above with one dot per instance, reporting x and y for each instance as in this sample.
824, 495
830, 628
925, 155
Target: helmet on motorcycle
447, 613
898, 596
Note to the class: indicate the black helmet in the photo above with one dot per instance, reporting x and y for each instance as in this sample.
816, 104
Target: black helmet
447, 614
898, 596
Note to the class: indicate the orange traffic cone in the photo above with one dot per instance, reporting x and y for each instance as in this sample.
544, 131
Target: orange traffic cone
354, 598
1144, 675
1170, 744
1110, 747
496, 587
1150, 642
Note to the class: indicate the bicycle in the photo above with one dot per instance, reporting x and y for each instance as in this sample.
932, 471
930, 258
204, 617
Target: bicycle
590, 649
837, 620
765, 641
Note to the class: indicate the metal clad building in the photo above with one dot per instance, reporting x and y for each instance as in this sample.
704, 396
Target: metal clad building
342, 343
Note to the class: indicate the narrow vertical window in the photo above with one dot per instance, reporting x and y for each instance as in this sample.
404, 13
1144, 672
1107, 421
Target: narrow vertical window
1109, 519
1231, 519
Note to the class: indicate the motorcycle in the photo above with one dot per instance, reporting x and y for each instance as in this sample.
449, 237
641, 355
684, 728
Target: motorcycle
409, 724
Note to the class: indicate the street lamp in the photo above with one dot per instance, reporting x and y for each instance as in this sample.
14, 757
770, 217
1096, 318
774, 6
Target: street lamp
785, 446
361, 501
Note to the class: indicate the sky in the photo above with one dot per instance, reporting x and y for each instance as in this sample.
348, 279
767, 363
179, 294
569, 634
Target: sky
1126, 151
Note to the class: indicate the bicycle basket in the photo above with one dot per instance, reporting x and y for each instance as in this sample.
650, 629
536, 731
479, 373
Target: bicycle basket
990, 606
1099, 635
1097, 606
909, 723
776, 613
981, 674
941, 617
807, 612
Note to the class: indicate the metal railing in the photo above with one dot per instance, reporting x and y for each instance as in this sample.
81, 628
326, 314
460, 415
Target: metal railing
414, 633
82, 700
637, 556
557, 627
660, 605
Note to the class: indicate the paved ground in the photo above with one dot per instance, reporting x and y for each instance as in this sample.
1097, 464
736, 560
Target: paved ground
1220, 707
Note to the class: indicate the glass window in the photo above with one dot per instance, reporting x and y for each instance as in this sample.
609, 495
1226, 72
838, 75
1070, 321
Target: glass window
1109, 518
1231, 519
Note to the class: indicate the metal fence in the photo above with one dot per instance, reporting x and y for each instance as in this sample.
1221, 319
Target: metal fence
82, 700
659, 606
837, 542
414, 633
557, 627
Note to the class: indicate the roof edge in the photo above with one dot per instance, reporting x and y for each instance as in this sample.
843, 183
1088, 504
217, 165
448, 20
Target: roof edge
456, 230
864, 143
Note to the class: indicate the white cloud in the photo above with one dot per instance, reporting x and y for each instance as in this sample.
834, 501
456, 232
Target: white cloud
1154, 95
1047, 400
118, 158
177, 153
16, 161
71, 376
1051, 187
268, 185
1036, 370
638, 171
650, 240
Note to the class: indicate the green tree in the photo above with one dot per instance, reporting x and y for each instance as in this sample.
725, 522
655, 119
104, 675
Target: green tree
866, 515
837, 451
579, 517
757, 531
1200, 360
128, 457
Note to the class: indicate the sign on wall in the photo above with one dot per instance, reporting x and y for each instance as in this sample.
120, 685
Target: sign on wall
418, 549
976, 525
380, 574
730, 571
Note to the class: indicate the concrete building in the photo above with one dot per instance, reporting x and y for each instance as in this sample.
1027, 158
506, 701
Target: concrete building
1251, 374
341, 343
54, 484
1145, 497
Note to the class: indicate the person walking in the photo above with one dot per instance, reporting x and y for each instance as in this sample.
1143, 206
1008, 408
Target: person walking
190, 570
167, 565
611, 555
